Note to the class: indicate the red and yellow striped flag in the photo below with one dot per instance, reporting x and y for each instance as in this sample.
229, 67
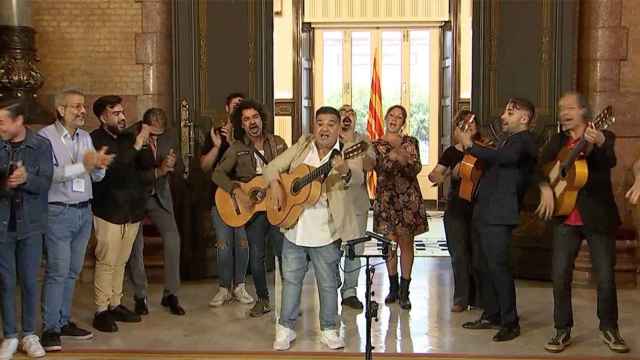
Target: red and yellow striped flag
375, 128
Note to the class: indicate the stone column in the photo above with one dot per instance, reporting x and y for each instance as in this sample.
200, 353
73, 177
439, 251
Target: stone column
606, 76
153, 51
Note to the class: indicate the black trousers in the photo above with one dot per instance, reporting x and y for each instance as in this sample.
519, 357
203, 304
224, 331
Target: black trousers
463, 247
498, 289
566, 244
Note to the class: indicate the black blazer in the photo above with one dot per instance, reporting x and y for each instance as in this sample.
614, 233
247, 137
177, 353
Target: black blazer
595, 200
508, 172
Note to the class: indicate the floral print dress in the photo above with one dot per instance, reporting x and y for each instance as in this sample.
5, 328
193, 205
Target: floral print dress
399, 207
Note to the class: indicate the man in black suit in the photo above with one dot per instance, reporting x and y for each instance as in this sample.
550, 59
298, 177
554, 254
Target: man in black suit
496, 214
595, 218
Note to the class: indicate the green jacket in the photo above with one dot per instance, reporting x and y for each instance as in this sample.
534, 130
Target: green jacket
239, 162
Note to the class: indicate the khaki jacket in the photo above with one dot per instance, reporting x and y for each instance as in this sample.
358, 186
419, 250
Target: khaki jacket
239, 162
341, 206
360, 193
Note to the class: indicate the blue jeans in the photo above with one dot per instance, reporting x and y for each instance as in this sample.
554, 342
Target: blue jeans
20, 256
66, 242
295, 265
259, 233
231, 244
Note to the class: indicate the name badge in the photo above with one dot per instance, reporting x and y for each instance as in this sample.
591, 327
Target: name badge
78, 185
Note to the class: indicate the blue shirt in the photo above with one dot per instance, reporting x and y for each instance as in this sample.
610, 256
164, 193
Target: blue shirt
68, 152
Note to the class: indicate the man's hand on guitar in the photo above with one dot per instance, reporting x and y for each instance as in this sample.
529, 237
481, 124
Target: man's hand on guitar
634, 193
594, 136
340, 165
242, 198
277, 194
547, 202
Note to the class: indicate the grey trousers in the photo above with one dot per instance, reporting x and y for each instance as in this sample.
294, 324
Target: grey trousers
165, 222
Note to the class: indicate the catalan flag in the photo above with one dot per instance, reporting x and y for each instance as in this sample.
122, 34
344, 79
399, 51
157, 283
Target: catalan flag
375, 128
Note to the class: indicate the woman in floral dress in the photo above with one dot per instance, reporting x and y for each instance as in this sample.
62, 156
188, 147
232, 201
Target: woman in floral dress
399, 211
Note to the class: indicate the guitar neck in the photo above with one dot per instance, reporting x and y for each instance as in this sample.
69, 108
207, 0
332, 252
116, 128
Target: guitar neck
320, 171
573, 155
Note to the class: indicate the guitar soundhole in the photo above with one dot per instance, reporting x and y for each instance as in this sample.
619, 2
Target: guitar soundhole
257, 195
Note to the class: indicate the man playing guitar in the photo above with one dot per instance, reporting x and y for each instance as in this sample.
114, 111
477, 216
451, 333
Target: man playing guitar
496, 213
244, 160
317, 233
595, 218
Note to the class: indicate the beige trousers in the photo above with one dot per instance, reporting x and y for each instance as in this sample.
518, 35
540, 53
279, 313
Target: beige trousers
113, 247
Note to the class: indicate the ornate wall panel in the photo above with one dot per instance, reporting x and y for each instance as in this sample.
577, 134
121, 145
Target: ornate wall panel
323, 12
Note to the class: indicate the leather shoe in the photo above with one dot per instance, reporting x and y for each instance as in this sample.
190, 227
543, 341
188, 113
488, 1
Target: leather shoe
171, 301
481, 324
352, 302
456, 308
141, 307
507, 333
104, 321
122, 314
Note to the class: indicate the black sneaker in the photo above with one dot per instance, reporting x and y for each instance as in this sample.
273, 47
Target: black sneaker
122, 314
507, 333
481, 324
261, 307
616, 343
559, 342
105, 322
71, 330
50, 341
141, 307
352, 302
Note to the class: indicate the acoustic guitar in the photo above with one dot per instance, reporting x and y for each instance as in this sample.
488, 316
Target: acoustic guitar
470, 168
303, 186
229, 208
568, 174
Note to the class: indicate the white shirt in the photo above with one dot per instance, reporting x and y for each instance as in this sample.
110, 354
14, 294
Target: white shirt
315, 227
259, 163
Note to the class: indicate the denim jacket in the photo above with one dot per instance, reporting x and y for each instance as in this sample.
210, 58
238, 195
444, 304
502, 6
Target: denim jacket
31, 217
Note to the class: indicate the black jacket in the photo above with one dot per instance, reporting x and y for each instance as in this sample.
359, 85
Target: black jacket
595, 200
120, 197
508, 172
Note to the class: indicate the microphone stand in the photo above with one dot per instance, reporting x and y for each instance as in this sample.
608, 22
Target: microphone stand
371, 307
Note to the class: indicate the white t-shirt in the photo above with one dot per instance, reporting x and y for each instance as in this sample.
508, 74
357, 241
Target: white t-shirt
259, 163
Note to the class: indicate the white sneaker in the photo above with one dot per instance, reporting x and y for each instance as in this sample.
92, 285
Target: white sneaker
240, 293
331, 339
222, 296
8, 348
31, 345
284, 337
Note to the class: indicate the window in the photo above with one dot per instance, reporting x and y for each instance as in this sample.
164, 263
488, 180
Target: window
408, 62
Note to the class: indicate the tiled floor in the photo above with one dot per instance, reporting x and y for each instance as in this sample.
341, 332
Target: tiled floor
428, 328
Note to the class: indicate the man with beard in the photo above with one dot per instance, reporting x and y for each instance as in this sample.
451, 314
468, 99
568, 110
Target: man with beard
75, 165
595, 218
320, 229
26, 168
360, 194
497, 212
118, 208
245, 159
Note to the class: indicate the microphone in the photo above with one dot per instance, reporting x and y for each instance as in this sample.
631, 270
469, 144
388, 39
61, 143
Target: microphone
383, 239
